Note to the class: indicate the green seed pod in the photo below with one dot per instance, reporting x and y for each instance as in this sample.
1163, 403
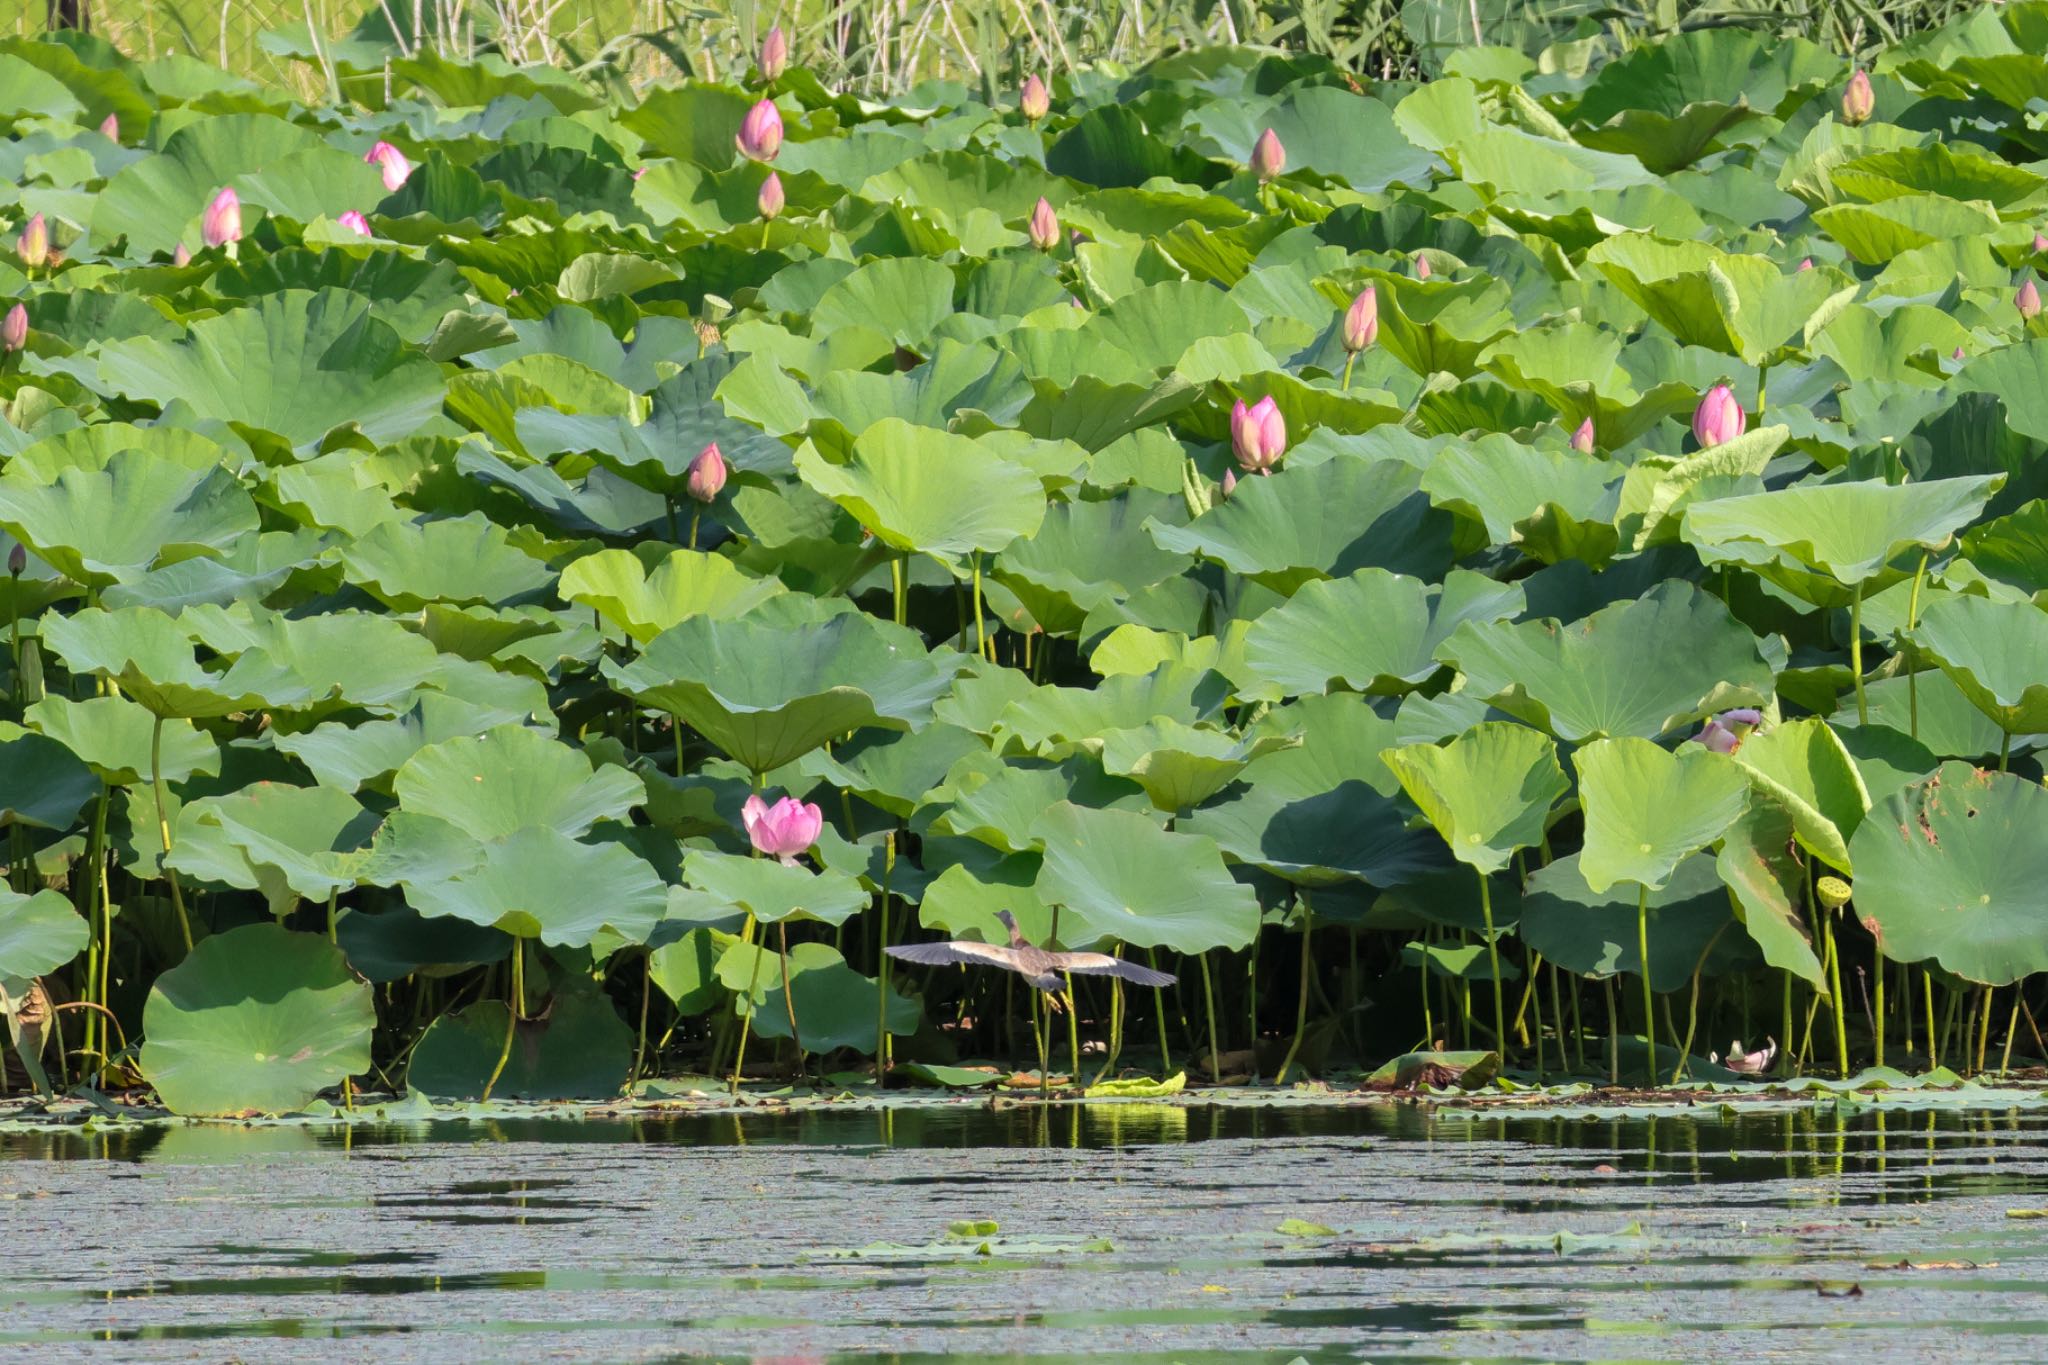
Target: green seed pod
1833, 891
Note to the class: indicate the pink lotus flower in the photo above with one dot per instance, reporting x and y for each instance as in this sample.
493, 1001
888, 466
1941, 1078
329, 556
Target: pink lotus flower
783, 830
1806, 264
770, 200
774, 54
2028, 301
1859, 101
760, 135
1718, 418
1748, 1063
391, 162
1044, 228
1258, 435
1956, 354
1034, 101
1583, 438
1362, 320
707, 474
356, 223
34, 243
1269, 158
110, 128
14, 330
1724, 733
2040, 244
1422, 270
222, 221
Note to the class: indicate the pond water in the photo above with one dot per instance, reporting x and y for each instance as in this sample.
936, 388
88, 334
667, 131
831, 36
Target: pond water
1129, 1232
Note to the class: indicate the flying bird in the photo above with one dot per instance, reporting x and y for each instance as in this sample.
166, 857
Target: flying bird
1041, 967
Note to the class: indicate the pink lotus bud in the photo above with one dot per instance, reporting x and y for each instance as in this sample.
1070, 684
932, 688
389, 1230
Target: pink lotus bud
182, 256
1717, 738
222, 222
1859, 101
770, 200
1258, 435
1229, 483
707, 474
17, 560
1034, 101
1806, 264
34, 242
1422, 270
1269, 158
110, 128
782, 830
1718, 418
1956, 354
2028, 301
2040, 244
14, 330
760, 135
1045, 227
1583, 438
355, 222
1362, 320
774, 54
392, 162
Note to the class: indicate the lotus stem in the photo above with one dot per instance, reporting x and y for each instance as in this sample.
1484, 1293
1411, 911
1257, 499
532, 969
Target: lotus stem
1613, 1033
1841, 1018
897, 572
789, 995
696, 515
1251, 982
882, 958
1500, 1030
2004, 749
646, 992
1856, 652
1913, 674
1906, 1004
99, 920
1348, 359
1927, 1000
1877, 1011
1428, 1022
1209, 1003
1556, 1014
1044, 1061
1521, 1024
739, 1058
981, 648
1763, 375
163, 827
515, 1002
669, 505
2012, 1023
1692, 1010
1643, 960
1301, 999
1984, 1028
1073, 1030
1159, 1015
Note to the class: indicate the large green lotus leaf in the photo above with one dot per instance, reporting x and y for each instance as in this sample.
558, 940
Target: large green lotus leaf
772, 890
768, 693
1488, 792
1544, 500
1663, 142
962, 904
257, 1018
998, 801
2013, 549
1633, 668
1803, 766
1903, 346
1745, 306
688, 583
1874, 234
1514, 162
1812, 537
925, 490
1313, 641
355, 756
1952, 869
252, 569
1928, 707
1994, 652
580, 1050
1321, 521
683, 970
1181, 766
687, 412
315, 838
39, 933
1118, 876
43, 784
957, 375
902, 297
297, 364
1647, 808
393, 943
1706, 64
2017, 375
115, 524
1051, 721
513, 778
1594, 933
1326, 130
1443, 326
154, 199
835, 1005
462, 560
1757, 864
148, 655
316, 664
890, 769
541, 883
1084, 555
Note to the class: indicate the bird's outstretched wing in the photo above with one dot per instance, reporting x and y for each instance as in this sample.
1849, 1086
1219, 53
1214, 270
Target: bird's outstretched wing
959, 950
1102, 964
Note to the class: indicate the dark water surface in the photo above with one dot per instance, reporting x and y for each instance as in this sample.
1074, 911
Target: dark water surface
1131, 1232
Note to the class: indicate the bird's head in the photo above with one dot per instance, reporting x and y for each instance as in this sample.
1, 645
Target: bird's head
1009, 922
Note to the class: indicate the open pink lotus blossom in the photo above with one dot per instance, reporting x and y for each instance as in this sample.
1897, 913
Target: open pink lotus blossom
783, 830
